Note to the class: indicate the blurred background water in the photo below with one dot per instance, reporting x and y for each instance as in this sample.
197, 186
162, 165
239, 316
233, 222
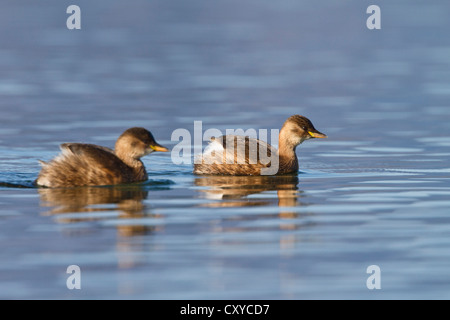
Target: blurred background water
375, 193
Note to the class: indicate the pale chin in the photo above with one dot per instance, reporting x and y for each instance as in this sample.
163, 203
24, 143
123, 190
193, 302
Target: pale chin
303, 139
148, 151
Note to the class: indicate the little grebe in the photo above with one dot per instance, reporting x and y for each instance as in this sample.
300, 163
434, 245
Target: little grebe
218, 159
88, 165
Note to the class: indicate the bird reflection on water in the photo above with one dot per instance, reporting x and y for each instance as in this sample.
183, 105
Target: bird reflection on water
90, 204
234, 191
70, 204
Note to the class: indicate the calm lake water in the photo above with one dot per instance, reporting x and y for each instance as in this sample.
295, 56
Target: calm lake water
376, 192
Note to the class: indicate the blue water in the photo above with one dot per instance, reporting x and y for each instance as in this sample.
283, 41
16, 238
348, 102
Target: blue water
376, 192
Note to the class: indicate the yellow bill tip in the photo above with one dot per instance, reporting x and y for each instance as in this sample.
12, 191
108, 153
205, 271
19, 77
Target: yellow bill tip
159, 148
317, 135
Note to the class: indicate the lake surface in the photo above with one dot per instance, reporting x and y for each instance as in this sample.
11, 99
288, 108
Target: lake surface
376, 192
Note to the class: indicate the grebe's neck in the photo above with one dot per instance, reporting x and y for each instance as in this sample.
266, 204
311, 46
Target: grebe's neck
286, 152
139, 171
134, 163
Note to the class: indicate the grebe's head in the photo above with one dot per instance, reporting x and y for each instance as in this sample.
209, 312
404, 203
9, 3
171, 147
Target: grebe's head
297, 129
136, 143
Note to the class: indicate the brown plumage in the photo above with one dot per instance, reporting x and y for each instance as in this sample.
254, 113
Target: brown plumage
88, 165
243, 156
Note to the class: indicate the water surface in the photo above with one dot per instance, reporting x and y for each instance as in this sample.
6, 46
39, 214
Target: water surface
374, 193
